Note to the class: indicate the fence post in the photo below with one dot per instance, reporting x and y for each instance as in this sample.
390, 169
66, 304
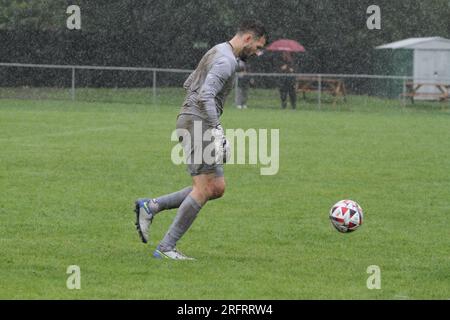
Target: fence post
73, 84
404, 91
236, 84
154, 87
319, 93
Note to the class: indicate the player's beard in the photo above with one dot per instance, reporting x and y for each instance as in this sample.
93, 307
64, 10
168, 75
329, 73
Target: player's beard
246, 53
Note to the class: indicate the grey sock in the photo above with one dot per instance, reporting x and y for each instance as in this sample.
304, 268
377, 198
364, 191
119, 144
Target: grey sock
170, 201
183, 220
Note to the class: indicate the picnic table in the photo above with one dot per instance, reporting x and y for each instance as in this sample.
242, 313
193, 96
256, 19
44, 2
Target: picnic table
335, 87
412, 90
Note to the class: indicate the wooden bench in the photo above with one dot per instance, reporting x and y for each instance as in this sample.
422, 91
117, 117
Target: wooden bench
334, 87
412, 89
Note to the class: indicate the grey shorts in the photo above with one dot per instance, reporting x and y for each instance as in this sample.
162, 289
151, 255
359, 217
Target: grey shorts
193, 145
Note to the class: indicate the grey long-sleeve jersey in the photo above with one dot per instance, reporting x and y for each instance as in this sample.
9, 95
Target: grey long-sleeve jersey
210, 83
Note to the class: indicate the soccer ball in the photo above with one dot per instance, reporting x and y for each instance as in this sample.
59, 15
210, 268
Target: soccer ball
346, 216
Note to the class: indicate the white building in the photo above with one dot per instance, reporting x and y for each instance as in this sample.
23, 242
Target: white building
429, 61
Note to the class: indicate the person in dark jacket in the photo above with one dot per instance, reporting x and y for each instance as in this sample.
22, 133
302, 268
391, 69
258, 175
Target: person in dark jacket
287, 84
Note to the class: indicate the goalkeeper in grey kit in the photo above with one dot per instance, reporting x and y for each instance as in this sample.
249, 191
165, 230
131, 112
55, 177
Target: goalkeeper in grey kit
198, 129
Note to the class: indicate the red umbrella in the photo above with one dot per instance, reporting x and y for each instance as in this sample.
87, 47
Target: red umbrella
286, 45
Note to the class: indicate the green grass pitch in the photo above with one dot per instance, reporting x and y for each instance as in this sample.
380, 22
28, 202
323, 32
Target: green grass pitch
70, 172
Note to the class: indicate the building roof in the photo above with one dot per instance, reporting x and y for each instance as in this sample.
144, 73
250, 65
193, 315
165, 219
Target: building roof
429, 43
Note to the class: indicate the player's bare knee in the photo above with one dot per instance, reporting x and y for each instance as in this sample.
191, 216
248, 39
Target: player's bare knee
217, 190
201, 193
210, 192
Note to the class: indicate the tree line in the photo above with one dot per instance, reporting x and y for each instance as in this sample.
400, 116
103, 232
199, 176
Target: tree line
175, 33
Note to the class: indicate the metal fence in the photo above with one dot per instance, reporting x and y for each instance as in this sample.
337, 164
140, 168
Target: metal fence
73, 70
159, 85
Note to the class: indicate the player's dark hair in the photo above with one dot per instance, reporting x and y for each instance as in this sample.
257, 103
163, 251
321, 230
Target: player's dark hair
254, 26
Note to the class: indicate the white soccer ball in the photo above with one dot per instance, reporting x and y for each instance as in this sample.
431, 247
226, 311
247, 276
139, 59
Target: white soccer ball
346, 216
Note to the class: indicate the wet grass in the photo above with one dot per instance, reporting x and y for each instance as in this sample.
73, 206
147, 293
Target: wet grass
70, 172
